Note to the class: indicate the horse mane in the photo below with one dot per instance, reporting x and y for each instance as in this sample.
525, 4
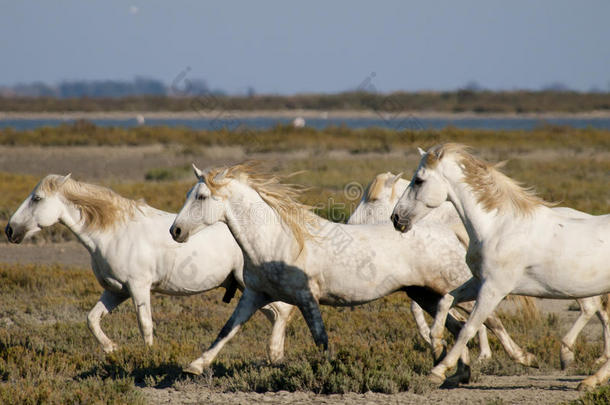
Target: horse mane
492, 188
281, 197
100, 207
375, 187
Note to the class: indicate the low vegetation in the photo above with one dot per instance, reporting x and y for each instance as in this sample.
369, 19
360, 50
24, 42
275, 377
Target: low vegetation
48, 355
285, 138
449, 101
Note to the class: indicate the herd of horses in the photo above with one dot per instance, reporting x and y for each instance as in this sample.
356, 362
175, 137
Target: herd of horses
459, 234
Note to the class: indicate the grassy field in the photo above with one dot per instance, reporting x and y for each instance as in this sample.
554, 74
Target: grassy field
47, 353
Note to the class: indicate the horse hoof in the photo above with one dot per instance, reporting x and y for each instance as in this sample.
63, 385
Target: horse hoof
453, 381
193, 369
566, 358
583, 386
484, 357
601, 360
110, 348
436, 379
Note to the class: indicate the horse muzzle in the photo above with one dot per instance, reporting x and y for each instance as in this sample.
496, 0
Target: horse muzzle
177, 234
401, 224
13, 235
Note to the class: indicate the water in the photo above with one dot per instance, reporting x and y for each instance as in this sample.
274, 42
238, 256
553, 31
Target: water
393, 122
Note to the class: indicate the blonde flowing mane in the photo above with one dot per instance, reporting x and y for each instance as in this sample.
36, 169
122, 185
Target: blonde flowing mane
375, 187
283, 198
492, 188
100, 207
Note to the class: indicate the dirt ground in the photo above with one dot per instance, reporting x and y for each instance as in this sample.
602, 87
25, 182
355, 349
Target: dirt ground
131, 164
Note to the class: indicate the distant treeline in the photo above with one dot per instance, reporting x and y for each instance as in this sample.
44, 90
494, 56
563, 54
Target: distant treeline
199, 99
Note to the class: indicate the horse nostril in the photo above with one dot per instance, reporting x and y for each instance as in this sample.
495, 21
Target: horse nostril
394, 219
177, 231
9, 231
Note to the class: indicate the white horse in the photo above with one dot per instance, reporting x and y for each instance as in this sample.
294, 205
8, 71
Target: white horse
304, 260
376, 206
518, 244
132, 253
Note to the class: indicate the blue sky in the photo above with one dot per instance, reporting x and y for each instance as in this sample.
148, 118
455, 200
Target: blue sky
312, 46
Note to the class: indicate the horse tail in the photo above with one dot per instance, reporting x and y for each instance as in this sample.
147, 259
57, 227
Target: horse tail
528, 305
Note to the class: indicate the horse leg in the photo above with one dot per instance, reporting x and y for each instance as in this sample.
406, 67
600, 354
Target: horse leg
603, 317
599, 377
494, 324
420, 321
466, 292
428, 300
588, 307
485, 350
107, 302
279, 315
514, 351
310, 309
248, 304
487, 301
140, 293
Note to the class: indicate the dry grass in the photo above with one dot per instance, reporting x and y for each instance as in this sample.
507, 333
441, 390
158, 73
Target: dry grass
47, 354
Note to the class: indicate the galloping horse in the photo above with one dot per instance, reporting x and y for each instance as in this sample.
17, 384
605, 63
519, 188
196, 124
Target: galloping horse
518, 243
376, 206
302, 259
132, 254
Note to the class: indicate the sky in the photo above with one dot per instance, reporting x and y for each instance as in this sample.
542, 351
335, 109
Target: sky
289, 47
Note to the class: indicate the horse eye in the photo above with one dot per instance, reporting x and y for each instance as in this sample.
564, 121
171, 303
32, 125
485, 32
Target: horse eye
36, 198
201, 197
418, 181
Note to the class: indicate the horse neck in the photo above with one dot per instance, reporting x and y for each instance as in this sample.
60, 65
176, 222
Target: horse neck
258, 228
476, 220
92, 239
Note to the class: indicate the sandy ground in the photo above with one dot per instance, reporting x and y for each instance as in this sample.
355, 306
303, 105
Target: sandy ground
543, 389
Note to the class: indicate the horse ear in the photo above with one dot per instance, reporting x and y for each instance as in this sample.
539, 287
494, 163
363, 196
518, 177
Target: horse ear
64, 179
397, 177
421, 151
221, 175
197, 172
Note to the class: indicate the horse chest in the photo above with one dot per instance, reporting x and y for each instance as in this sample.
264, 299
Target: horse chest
105, 274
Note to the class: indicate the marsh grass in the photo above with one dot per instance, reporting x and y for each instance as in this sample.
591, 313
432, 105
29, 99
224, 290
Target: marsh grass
47, 353
283, 138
